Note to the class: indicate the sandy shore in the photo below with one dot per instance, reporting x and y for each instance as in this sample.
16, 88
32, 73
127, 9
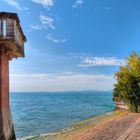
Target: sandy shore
117, 125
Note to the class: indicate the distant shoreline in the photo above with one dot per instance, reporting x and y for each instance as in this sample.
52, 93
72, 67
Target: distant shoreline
59, 92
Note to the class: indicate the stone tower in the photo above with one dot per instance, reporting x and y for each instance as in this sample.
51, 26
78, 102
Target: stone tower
12, 42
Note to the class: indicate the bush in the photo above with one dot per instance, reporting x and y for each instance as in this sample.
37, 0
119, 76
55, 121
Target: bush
127, 87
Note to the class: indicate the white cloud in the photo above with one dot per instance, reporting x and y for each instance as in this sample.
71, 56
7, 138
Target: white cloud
47, 21
36, 27
78, 3
45, 3
101, 61
13, 3
51, 38
62, 82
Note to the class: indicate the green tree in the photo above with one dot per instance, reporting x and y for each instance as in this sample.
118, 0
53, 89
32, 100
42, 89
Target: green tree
127, 87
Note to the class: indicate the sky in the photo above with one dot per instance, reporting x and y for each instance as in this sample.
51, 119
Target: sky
73, 45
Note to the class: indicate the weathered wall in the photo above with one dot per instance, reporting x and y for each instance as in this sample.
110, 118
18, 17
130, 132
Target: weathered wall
6, 125
120, 106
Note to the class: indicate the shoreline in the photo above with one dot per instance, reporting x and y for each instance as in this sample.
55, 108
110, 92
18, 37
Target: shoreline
76, 130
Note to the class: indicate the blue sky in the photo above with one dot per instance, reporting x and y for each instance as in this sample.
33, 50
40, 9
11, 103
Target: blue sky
73, 45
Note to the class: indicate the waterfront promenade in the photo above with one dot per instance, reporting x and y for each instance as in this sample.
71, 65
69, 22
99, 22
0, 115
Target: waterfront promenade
126, 127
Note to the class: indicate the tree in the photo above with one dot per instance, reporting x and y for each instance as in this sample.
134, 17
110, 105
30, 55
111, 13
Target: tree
127, 88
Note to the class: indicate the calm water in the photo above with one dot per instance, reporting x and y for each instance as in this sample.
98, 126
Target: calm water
35, 113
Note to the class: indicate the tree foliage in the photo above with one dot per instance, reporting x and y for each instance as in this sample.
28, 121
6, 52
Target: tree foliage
127, 88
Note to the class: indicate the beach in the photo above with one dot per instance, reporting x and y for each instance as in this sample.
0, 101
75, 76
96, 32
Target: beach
117, 125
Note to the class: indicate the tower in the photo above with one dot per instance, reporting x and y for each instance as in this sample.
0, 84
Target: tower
12, 41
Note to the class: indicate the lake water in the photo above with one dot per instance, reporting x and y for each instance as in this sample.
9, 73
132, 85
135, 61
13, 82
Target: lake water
35, 113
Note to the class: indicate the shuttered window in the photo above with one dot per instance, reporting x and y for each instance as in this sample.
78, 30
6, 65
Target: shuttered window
10, 28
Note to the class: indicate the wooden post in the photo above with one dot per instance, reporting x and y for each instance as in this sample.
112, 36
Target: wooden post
6, 125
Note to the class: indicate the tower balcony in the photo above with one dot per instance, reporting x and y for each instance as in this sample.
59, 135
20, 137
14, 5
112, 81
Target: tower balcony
11, 35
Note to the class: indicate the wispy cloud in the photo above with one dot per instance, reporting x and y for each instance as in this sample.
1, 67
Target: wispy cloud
78, 3
61, 82
51, 38
36, 27
47, 21
26, 8
101, 61
108, 8
13, 3
45, 3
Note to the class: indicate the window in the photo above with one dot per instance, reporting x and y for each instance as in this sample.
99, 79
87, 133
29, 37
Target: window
4, 28
10, 31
